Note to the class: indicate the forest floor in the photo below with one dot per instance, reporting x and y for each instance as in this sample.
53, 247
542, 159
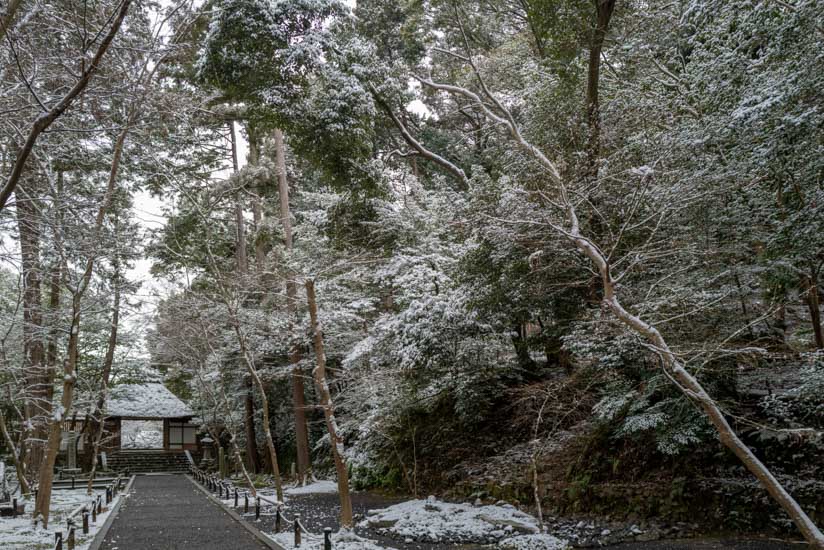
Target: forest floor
320, 510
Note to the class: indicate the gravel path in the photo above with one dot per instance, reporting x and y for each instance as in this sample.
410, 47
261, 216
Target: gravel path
171, 513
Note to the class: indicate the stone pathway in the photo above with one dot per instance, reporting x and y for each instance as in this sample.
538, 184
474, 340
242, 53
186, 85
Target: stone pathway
170, 513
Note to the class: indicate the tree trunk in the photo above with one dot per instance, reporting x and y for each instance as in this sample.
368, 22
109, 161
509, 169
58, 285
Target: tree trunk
603, 14
43, 502
519, 342
37, 408
814, 306
7, 19
298, 391
240, 226
264, 403
44, 120
257, 204
19, 467
249, 422
41, 509
685, 382
97, 416
335, 438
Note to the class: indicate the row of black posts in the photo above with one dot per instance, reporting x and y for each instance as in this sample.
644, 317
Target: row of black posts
213, 484
96, 508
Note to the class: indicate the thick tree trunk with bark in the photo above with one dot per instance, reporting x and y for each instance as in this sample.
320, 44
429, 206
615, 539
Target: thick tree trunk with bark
298, 390
335, 438
37, 392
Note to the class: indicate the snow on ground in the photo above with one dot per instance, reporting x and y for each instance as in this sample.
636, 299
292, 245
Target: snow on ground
343, 540
316, 487
19, 533
533, 542
431, 520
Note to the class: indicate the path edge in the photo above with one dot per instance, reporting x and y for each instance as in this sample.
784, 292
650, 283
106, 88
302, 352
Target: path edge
258, 534
97, 541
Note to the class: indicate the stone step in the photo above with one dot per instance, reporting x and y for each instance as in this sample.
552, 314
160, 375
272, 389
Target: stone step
148, 461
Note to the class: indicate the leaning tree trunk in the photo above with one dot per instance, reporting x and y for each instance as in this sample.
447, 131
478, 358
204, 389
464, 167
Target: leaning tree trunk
264, 403
685, 381
44, 120
335, 438
298, 391
224, 403
15, 455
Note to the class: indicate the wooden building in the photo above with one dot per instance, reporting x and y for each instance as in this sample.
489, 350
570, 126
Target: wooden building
148, 416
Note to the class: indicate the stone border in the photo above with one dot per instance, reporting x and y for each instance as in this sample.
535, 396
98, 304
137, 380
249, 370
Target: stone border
97, 541
257, 533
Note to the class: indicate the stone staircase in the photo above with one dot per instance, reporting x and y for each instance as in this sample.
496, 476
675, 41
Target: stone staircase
148, 461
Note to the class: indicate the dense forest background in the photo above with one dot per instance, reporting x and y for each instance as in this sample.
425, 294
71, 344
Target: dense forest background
396, 155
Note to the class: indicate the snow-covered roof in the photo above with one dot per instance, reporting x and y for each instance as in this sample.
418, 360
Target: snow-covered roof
145, 401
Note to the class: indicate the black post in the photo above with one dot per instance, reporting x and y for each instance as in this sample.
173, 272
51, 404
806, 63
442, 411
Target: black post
70, 540
245, 504
277, 520
257, 508
235, 497
94, 512
327, 538
85, 522
58, 539
14, 508
297, 530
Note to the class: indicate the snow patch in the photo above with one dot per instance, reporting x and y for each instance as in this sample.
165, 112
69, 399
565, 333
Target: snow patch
324, 486
432, 520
